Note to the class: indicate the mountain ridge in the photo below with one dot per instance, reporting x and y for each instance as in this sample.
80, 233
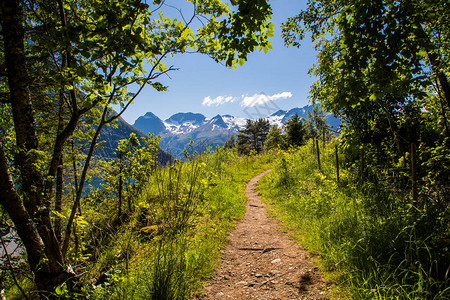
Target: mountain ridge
180, 128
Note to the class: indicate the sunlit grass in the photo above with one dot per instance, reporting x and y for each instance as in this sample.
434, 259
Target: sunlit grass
179, 228
374, 244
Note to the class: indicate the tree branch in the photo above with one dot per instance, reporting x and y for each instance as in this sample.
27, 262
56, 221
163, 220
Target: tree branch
11, 269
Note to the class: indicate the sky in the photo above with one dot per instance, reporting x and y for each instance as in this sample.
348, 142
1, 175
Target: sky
264, 84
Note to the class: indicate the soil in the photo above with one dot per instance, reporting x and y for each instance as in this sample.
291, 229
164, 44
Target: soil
261, 262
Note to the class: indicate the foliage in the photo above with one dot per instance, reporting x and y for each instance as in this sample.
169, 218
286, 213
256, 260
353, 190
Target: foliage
295, 131
64, 64
275, 139
230, 143
253, 136
374, 242
127, 175
383, 69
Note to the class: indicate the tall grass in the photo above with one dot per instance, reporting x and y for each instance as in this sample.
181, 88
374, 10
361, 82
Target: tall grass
179, 227
376, 243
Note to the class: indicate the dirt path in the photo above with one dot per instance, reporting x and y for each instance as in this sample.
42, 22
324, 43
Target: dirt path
262, 262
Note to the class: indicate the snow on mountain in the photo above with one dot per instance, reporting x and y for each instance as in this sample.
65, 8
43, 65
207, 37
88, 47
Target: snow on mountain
275, 119
181, 123
234, 122
181, 118
179, 129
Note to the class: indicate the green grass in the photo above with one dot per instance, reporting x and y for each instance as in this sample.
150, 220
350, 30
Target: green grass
173, 242
374, 244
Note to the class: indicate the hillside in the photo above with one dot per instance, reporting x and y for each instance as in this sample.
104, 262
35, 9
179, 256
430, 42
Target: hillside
109, 139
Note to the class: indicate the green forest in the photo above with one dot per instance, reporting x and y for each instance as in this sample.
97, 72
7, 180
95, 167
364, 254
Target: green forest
370, 201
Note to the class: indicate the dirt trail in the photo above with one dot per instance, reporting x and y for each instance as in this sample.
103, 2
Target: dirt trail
262, 262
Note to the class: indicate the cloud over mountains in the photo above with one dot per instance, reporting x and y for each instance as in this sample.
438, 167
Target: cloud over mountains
247, 101
261, 98
208, 101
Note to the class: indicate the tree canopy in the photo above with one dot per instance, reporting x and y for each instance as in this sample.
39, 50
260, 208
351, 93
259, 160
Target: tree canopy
253, 136
376, 55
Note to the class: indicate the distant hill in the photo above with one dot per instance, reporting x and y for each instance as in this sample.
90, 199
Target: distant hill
110, 137
181, 128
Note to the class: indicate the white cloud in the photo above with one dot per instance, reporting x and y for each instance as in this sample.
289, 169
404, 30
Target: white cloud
259, 99
208, 101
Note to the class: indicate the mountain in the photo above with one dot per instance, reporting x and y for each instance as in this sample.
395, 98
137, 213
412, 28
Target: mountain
204, 132
150, 123
301, 112
184, 118
109, 139
331, 120
181, 123
181, 128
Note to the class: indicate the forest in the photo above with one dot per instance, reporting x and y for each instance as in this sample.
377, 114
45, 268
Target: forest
370, 200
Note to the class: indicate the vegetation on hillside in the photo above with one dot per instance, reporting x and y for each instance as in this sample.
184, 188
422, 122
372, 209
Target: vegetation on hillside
149, 231
63, 65
372, 239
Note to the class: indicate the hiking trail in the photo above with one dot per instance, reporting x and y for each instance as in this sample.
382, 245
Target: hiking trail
261, 262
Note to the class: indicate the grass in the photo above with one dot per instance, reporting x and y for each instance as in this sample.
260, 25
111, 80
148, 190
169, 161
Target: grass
373, 242
172, 242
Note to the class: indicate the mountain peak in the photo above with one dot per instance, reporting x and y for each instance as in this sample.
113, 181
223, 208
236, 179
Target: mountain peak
179, 118
180, 128
150, 114
218, 121
278, 113
150, 123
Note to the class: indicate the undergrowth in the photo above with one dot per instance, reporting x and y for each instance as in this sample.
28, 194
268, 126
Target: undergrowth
172, 242
373, 241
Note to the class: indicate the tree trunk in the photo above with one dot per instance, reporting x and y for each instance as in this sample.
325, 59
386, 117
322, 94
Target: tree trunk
120, 189
58, 200
45, 260
79, 192
75, 176
318, 154
26, 229
442, 78
324, 137
363, 166
337, 163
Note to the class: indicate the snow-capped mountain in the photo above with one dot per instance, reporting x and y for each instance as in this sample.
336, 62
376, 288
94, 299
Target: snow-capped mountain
184, 122
178, 130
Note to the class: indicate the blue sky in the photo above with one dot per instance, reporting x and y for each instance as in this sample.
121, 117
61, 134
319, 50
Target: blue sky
280, 75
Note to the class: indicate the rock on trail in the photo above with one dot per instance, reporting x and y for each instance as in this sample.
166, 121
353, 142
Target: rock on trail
261, 262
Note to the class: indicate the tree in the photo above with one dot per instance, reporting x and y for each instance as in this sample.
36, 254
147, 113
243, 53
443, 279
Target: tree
295, 131
275, 139
383, 65
230, 143
376, 56
126, 175
74, 60
253, 136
